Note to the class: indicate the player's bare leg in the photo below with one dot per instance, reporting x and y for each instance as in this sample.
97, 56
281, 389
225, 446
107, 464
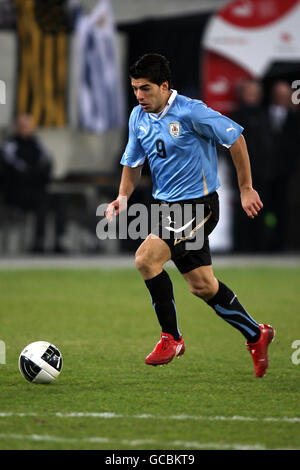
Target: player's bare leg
151, 255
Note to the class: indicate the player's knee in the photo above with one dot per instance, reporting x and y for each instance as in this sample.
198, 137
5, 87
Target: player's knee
139, 261
143, 262
147, 266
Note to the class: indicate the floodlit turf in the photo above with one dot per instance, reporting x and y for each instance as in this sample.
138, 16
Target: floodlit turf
107, 398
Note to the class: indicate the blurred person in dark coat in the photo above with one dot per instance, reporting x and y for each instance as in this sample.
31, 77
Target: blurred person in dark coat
250, 113
273, 141
26, 172
285, 151
293, 223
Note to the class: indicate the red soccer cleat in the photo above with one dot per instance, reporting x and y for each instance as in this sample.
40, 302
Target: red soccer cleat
259, 349
165, 350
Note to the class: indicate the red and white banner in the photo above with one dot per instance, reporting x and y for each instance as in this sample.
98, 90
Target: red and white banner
242, 40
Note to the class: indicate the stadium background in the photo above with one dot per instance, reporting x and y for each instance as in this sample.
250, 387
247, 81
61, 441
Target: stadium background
42, 56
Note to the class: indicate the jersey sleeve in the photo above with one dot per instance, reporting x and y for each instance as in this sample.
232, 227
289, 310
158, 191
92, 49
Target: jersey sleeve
134, 155
214, 125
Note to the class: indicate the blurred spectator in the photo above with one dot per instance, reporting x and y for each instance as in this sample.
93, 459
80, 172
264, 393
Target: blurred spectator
272, 137
26, 170
293, 223
284, 132
249, 234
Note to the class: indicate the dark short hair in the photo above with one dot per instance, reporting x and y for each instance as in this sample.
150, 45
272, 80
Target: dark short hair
153, 67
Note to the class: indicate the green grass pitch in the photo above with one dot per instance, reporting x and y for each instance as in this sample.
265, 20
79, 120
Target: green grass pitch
107, 398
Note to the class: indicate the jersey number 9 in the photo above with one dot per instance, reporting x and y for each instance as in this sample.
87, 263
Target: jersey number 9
161, 149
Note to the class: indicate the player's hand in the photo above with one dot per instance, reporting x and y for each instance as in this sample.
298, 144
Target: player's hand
115, 207
251, 202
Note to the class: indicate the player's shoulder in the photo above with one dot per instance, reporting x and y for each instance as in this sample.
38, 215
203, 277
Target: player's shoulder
137, 112
136, 115
189, 105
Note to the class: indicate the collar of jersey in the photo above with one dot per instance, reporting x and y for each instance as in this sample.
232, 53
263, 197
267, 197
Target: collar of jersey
162, 113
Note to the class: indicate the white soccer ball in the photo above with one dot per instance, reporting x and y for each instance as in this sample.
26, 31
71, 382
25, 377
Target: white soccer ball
40, 362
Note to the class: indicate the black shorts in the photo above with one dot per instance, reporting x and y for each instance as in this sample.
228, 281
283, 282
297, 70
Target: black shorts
185, 227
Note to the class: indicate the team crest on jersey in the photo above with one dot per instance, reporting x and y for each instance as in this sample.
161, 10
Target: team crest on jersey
174, 128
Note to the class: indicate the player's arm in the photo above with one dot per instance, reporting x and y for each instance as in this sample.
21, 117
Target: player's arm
223, 130
250, 199
129, 180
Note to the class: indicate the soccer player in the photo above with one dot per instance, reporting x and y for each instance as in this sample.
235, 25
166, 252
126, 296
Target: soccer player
178, 136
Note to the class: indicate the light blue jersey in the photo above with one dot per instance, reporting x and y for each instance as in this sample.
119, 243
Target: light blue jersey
180, 145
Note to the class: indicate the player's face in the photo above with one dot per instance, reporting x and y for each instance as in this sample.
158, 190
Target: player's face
152, 98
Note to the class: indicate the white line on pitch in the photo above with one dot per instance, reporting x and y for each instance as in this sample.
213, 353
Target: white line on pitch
183, 417
130, 443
